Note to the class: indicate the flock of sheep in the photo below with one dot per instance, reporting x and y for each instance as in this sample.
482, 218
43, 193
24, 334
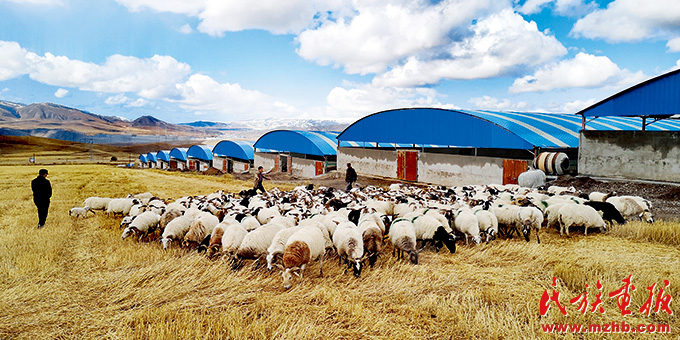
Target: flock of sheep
291, 229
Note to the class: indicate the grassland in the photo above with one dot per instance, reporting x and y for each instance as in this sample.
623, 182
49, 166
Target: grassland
79, 280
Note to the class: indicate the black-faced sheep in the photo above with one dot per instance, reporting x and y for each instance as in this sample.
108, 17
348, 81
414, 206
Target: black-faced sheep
403, 238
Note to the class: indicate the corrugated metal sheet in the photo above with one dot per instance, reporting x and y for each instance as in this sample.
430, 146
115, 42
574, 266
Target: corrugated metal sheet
179, 153
163, 155
318, 143
201, 152
151, 157
142, 158
426, 127
235, 149
659, 96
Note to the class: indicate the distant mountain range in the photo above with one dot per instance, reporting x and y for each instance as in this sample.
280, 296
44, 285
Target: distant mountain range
66, 123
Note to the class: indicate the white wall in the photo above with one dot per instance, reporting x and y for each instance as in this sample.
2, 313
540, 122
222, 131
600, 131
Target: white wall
303, 167
369, 161
457, 170
265, 160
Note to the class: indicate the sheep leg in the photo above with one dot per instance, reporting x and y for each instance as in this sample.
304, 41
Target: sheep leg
538, 239
321, 266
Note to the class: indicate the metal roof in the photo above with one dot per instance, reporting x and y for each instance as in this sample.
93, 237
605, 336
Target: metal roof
318, 143
656, 97
235, 149
142, 158
432, 128
201, 152
179, 153
151, 157
163, 155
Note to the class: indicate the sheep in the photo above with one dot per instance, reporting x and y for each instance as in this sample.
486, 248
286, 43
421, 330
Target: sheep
142, 225
175, 230
255, 243
609, 211
201, 226
403, 238
372, 236
250, 223
143, 197
168, 216
215, 244
430, 229
600, 197
126, 221
232, 238
278, 245
265, 215
303, 246
488, 224
630, 207
531, 179
467, 223
120, 206
80, 212
530, 218
580, 215
556, 190
349, 244
97, 203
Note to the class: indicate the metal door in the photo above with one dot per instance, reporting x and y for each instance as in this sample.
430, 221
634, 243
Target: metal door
318, 168
407, 165
511, 170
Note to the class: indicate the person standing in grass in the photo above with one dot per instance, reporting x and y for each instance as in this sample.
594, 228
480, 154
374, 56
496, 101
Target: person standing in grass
259, 177
42, 192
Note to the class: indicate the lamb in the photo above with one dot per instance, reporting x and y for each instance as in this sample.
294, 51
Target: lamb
630, 207
120, 206
430, 229
303, 246
531, 179
608, 210
175, 230
372, 236
143, 225
580, 215
201, 227
467, 223
349, 244
488, 224
403, 239
80, 212
255, 243
97, 203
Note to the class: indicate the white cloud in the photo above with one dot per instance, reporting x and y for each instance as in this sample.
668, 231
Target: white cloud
61, 93
673, 45
186, 29
577, 105
572, 8
354, 100
584, 70
491, 103
631, 20
139, 102
501, 43
12, 60
378, 33
193, 7
118, 99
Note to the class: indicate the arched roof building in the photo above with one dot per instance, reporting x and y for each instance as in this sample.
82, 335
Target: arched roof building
306, 153
234, 149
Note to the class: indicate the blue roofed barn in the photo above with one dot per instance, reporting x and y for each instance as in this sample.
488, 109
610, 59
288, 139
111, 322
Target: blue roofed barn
233, 156
143, 163
199, 157
163, 159
151, 159
178, 159
301, 153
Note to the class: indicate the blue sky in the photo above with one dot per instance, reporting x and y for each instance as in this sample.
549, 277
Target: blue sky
223, 60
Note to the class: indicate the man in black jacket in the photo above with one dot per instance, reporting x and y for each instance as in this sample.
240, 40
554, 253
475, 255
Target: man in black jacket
42, 192
350, 176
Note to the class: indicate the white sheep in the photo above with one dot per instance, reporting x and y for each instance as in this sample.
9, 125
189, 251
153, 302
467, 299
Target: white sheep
302, 247
201, 226
278, 245
168, 216
372, 236
97, 203
349, 243
80, 212
599, 196
176, 229
467, 223
256, 242
232, 238
250, 223
580, 215
120, 206
265, 215
531, 179
430, 229
488, 223
630, 206
530, 218
403, 238
142, 225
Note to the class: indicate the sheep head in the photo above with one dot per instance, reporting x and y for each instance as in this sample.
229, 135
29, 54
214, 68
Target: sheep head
356, 268
127, 232
413, 257
647, 216
288, 274
166, 242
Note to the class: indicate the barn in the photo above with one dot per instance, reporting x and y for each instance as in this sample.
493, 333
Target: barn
163, 159
199, 157
142, 161
301, 153
652, 150
233, 156
456, 147
151, 160
178, 158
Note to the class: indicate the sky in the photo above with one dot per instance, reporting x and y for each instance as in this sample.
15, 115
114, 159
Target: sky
228, 60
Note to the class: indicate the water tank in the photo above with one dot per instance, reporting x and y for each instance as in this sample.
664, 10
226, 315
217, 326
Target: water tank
552, 163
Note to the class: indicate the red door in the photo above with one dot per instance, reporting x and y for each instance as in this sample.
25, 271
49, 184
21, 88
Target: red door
407, 165
276, 163
318, 168
511, 170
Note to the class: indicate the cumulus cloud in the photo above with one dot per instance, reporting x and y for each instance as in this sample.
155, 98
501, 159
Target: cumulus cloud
12, 60
353, 100
673, 45
630, 20
118, 99
572, 8
495, 104
186, 29
584, 70
61, 93
501, 43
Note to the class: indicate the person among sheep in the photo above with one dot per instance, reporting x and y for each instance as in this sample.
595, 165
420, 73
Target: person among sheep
42, 192
259, 177
350, 176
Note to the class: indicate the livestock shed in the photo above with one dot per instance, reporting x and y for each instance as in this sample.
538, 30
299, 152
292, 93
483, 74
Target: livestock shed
143, 163
652, 151
163, 159
151, 159
199, 157
178, 158
456, 147
302, 153
233, 156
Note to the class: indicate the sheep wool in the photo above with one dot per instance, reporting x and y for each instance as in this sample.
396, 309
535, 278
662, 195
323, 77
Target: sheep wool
571, 215
302, 247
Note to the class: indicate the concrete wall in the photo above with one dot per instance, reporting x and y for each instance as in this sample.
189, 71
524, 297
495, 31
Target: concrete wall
457, 170
303, 167
369, 161
265, 160
218, 162
653, 155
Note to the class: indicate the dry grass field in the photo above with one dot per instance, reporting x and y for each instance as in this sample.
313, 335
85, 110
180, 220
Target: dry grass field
79, 280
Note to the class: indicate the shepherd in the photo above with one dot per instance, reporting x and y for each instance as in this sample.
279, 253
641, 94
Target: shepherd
350, 176
42, 192
259, 177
